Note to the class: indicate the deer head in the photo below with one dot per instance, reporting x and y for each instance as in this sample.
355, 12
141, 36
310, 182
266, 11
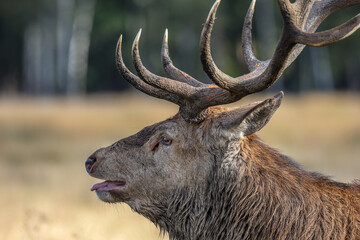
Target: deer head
204, 140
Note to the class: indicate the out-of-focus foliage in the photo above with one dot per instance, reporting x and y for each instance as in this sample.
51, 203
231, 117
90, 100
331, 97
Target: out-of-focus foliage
14, 16
55, 64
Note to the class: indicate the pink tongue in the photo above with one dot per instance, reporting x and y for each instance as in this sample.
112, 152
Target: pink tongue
108, 186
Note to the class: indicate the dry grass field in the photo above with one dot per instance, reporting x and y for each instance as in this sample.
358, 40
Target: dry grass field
45, 191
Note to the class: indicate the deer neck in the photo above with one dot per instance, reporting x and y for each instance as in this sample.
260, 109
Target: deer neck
250, 187
202, 211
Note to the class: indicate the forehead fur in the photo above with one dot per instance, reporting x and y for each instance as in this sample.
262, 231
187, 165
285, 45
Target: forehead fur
145, 134
175, 122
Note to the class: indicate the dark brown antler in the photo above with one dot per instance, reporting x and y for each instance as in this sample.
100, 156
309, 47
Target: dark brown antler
192, 96
301, 19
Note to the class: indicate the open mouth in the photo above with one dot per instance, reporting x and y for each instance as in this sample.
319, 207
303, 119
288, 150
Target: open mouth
109, 186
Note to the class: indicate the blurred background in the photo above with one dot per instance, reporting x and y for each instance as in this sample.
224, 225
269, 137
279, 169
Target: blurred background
61, 98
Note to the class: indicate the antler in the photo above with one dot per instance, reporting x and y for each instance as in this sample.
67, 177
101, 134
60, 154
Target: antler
301, 19
192, 96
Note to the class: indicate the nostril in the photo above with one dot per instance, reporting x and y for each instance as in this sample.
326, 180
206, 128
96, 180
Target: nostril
89, 164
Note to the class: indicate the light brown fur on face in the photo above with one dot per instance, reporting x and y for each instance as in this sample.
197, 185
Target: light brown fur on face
149, 167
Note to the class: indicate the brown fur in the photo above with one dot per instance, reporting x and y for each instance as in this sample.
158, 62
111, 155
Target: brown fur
210, 184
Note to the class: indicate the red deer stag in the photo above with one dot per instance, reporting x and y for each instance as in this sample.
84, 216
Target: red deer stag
203, 173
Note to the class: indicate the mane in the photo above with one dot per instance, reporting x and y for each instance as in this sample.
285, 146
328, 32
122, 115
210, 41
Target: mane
269, 196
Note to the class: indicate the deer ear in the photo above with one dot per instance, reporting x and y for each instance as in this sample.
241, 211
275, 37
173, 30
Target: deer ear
249, 119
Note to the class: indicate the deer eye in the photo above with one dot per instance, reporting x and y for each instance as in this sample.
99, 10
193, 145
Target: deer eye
166, 141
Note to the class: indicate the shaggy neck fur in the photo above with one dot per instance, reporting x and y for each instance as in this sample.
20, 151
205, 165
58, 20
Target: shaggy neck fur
258, 193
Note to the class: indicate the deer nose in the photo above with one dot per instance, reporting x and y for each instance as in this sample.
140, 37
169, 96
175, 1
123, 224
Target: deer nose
89, 163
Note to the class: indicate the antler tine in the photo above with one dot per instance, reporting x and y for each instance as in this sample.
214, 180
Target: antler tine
171, 70
302, 31
137, 82
251, 61
179, 88
316, 12
243, 85
329, 36
325, 7
209, 66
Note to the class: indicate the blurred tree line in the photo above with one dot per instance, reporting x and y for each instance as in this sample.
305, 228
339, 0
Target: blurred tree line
67, 47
